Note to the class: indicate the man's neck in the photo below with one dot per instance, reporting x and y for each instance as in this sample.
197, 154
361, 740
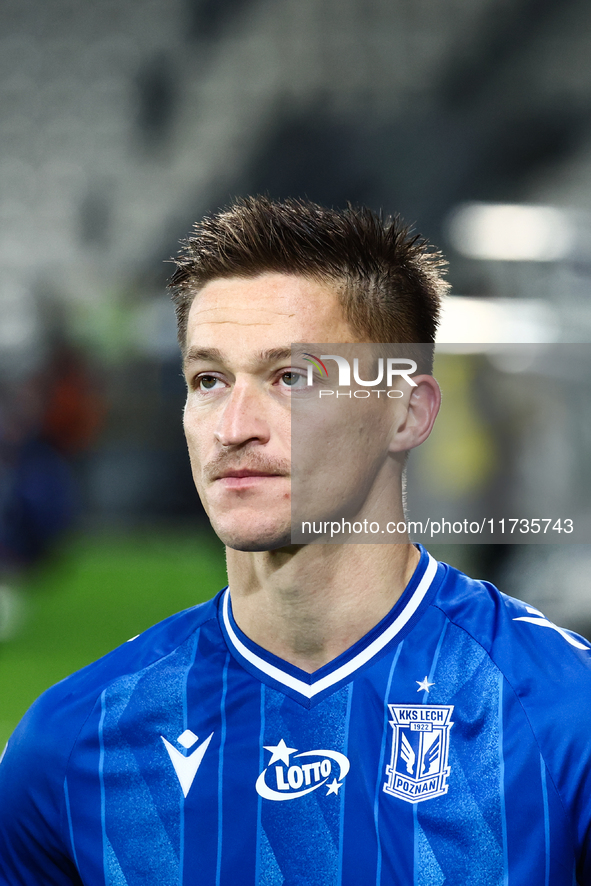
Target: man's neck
308, 604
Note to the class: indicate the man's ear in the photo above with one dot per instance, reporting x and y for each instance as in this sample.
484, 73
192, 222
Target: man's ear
415, 421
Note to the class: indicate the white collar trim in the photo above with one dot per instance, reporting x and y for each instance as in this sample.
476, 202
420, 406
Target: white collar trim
309, 691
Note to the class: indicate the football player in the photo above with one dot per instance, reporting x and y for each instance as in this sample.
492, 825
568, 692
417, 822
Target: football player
341, 713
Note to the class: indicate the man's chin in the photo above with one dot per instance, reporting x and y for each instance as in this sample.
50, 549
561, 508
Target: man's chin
253, 538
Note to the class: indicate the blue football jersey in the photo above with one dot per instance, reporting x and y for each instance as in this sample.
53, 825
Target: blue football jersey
450, 745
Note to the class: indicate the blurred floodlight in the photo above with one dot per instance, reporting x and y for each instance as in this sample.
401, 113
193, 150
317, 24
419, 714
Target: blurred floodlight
510, 232
476, 322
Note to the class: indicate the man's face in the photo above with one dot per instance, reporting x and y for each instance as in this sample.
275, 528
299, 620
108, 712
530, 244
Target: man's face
240, 381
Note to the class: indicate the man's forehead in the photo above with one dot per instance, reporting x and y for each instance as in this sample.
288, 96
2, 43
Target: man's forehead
228, 311
281, 306
274, 287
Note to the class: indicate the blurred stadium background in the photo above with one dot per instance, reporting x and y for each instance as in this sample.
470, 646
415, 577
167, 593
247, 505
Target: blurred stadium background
121, 123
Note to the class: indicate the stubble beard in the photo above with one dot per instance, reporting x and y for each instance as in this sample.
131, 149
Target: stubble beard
247, 533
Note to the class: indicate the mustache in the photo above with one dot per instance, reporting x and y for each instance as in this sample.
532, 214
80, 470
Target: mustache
229, 461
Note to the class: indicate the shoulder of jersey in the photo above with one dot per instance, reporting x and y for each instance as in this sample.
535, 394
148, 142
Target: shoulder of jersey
58, 714
532, 652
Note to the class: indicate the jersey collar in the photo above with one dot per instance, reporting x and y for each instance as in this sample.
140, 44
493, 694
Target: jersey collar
274, 671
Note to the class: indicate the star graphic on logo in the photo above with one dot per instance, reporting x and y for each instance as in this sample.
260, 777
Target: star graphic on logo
333, 787
280, 752
424, 684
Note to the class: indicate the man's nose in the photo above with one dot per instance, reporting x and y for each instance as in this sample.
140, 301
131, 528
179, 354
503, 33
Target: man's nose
242, 417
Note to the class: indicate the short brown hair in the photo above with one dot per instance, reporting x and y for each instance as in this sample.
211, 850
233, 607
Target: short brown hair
389, 280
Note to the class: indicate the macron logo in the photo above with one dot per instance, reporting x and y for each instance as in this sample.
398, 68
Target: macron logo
186, 766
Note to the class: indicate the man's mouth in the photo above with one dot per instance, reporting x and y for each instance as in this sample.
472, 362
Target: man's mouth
245, 477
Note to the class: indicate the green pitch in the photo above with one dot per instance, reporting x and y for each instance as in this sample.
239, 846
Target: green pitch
95, 594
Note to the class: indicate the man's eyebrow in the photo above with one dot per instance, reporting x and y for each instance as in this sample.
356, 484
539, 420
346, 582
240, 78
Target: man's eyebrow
214, 355
274, 354
205, 354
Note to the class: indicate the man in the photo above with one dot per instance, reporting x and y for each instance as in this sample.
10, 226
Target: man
344, 714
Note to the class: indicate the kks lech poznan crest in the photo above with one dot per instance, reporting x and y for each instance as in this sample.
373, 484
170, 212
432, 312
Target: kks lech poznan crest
418, 767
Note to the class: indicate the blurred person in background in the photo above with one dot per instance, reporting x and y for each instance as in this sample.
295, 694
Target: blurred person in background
345, 714
46, 420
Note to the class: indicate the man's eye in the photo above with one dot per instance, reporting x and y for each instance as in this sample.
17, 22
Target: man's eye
207, 382
291, 379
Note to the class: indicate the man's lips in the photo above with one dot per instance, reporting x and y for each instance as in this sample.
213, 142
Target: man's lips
240, 479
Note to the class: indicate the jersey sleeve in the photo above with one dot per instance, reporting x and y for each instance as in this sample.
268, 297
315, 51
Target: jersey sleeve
43, 762
560, 713
34, 848
549, 669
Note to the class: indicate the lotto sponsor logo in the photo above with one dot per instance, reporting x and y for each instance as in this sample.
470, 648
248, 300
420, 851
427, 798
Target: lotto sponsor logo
418, 768
290, 774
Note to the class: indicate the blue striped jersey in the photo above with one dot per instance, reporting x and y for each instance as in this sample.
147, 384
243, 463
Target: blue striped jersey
450, 745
